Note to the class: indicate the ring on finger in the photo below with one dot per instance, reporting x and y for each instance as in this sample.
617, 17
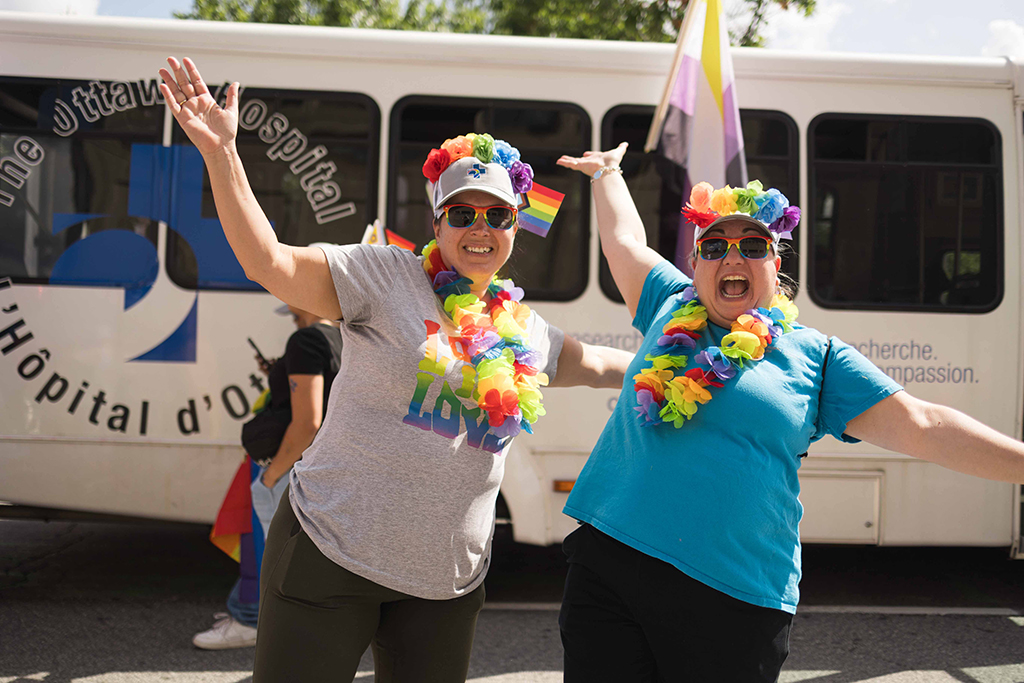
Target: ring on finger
183, 99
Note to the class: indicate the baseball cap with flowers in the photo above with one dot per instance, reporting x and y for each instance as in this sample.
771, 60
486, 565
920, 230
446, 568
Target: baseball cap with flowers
476, 161
767, 210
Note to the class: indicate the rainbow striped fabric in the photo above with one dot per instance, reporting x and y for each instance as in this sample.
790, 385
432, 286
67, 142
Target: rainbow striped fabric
538, 212
235, 517
238, 532
398, 240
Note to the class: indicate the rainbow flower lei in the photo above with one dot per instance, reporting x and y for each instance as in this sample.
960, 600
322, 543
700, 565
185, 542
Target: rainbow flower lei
494, 338
666, 393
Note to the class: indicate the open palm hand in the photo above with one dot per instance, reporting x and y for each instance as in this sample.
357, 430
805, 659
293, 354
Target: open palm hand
209, 126
591, 162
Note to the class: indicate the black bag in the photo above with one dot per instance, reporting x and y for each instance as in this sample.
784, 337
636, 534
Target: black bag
262, 435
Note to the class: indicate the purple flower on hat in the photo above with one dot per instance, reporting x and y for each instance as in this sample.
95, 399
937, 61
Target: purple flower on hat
774, 206
522, 177
786, 223
505, 154
714, 358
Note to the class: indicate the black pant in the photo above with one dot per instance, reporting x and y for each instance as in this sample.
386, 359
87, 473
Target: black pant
317, 618
627, 616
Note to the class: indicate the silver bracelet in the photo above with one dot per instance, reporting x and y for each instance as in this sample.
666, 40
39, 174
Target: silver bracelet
604, 170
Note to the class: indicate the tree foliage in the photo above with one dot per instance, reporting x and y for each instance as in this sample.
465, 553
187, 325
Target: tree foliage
458, 16
637, 20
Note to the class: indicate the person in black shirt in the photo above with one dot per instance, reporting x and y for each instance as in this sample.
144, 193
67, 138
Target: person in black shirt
302, 379
300, 382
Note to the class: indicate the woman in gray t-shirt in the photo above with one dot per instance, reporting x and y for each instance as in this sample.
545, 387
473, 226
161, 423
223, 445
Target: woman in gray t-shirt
387, 537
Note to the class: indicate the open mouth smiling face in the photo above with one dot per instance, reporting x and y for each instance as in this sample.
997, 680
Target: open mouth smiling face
479, 251
733, 284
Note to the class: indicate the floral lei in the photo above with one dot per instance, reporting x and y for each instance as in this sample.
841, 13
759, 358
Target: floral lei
663, 395
494, 337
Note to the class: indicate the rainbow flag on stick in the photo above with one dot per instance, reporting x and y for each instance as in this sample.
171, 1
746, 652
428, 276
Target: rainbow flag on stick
398, 240
697, 123
376, 233
538, 210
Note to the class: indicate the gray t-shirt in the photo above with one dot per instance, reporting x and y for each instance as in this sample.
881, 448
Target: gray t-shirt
400, 483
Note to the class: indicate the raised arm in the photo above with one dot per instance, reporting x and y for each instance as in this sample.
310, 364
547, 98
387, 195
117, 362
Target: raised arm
580, 364
623, 239
297, 275
941, 435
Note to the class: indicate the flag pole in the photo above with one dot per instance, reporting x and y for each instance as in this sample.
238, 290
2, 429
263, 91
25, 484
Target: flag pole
659, 114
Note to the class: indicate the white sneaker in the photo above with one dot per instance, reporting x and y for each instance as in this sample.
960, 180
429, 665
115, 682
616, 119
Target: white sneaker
225, 634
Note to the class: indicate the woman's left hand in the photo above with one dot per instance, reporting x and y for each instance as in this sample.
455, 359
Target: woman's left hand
591, 162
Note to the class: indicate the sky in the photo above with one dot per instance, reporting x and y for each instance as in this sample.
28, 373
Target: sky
988, 28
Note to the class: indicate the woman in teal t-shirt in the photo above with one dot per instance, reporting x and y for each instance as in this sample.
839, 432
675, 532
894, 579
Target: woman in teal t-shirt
687, 562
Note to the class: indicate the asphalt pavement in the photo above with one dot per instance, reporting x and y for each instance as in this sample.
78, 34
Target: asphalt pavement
118, 603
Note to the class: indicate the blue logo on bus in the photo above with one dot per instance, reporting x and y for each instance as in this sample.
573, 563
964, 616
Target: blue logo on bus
166, 184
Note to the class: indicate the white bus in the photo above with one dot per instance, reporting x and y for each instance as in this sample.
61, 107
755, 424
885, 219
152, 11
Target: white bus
124, 368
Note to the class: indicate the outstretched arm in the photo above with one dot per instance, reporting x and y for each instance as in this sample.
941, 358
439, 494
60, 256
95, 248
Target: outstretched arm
297, 275
941, 435
623, 239
601, 367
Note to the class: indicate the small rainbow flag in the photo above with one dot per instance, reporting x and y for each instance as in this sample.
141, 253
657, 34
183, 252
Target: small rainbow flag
376, 233
537, 214
398, 240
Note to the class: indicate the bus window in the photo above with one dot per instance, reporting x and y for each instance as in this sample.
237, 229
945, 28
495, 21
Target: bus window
770, 146
312, 160
552, 268
65, 167
906, 213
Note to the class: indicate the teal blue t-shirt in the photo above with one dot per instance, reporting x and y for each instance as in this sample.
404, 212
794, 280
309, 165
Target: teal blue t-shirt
717, 498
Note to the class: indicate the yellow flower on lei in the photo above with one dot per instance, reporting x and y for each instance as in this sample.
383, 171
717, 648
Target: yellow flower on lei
510, 319
689, 390
742, 346
465, 303
788, 308
748, 323
653, 381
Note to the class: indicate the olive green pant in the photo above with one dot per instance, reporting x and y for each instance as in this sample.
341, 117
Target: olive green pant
316, 620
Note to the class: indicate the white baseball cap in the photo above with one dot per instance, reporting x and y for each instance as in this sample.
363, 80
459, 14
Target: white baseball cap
469, 173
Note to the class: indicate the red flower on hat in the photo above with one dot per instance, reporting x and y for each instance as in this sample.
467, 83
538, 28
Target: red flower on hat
699, 218
437, 161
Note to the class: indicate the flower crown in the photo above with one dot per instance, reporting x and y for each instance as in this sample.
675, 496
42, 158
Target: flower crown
486, 149
770, 206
